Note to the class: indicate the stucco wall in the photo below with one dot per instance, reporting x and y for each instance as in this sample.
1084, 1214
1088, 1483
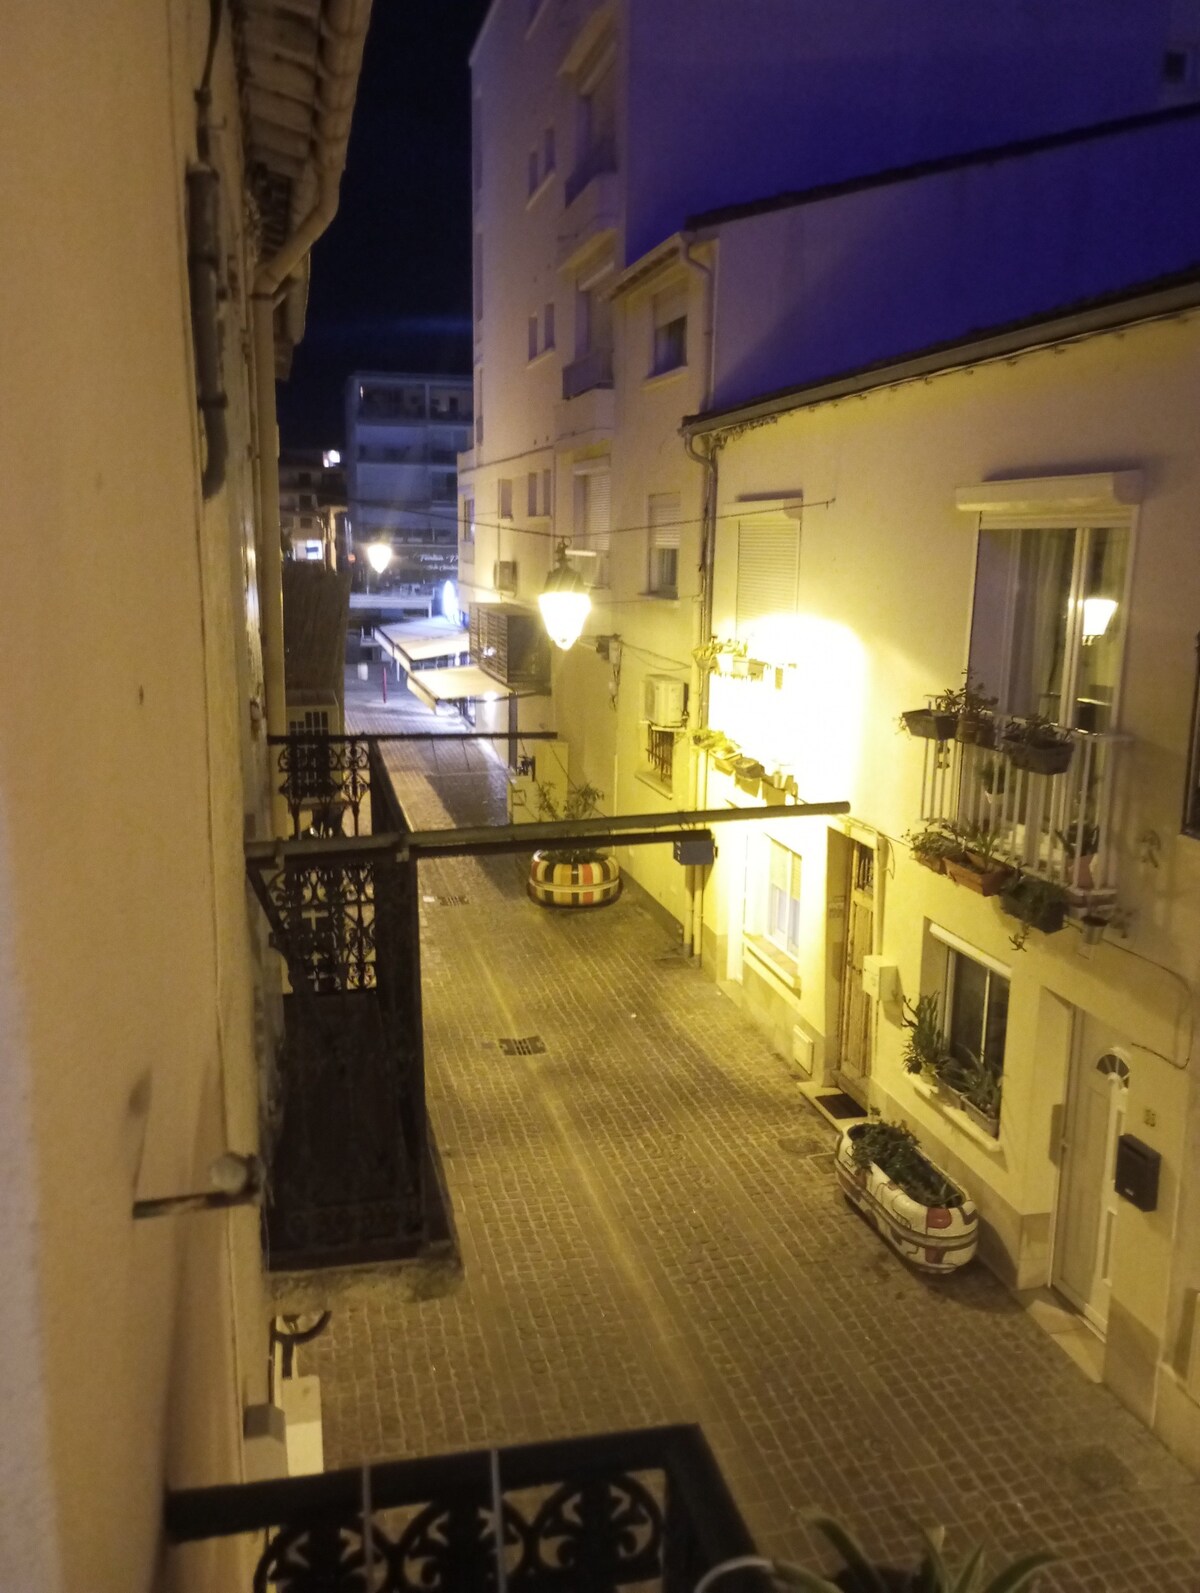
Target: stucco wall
124, 728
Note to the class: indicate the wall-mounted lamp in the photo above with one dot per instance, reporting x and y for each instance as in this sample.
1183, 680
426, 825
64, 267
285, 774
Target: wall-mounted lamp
1097, 616
564, 603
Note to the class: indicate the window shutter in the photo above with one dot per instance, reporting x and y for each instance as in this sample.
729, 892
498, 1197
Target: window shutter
768, 570
664, 520
597, 517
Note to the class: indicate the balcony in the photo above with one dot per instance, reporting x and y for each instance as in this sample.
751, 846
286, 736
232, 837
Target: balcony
1058, 826
353, 1173
587, 411
592, 202
591, 370
647, 1508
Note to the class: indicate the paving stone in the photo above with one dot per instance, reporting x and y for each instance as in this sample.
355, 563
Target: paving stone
651, 1233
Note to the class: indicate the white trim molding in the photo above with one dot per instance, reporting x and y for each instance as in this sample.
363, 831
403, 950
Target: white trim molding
1113, 493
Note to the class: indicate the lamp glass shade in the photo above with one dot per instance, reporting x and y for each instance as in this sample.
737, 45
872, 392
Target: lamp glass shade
1097, 616
379, 556
565, 604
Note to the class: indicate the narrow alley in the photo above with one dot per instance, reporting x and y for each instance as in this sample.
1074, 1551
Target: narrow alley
651, 1233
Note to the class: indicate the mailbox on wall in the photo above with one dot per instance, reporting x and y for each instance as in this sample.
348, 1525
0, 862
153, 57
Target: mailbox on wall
1137, 1173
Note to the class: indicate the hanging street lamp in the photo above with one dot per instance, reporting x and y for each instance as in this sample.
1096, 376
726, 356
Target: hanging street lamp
564, 603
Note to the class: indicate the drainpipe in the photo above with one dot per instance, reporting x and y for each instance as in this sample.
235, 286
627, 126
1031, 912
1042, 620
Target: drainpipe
343, 32
693, 929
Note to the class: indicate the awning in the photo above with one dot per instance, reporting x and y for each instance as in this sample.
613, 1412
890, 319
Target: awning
411, 645
434, 686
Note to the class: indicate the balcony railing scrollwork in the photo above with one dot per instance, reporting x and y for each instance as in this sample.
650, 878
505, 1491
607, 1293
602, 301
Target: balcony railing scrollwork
646, 1509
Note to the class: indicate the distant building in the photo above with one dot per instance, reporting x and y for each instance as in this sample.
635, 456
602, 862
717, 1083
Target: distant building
312, 506
403, 437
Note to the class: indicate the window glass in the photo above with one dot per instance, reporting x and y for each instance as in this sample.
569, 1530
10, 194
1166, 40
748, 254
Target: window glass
976, 1012
783, 899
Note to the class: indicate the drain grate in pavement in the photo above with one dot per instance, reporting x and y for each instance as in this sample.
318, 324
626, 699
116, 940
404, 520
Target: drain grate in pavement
452, 901
530, 1045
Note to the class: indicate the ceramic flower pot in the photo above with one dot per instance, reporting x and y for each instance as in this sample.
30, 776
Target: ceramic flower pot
595, 882
930, 1238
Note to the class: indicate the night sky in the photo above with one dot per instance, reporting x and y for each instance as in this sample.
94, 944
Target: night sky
391, 279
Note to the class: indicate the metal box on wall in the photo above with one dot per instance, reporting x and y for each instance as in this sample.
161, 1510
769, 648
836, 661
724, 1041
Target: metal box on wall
1137, 1173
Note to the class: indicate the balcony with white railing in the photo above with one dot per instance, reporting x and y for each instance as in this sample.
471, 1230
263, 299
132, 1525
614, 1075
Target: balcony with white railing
1058, 826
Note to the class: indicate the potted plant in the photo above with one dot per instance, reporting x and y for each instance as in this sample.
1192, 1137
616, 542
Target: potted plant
931, 846
937, 722
925, 1045
572, 875
1038, 744
977, 862
859, 1574
920, 1212
720, 748
977, 1088
720, 655
1038, 902
1080, 841
975, 710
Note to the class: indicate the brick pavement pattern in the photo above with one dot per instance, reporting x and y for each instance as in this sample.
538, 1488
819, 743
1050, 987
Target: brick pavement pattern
651, 1233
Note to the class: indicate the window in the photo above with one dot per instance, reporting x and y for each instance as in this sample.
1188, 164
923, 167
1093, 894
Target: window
973, 1011
782, 925
531, 507
479, 407
533, 337
664, 524
547, 493
669, 350
548, 327
768, 574
504, 498
660, 754
468, 520
593, 497
1048, 624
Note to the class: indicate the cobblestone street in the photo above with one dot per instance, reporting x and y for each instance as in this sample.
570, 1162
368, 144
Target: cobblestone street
651, 1233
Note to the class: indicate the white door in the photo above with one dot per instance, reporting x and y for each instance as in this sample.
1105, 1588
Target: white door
1087, 1198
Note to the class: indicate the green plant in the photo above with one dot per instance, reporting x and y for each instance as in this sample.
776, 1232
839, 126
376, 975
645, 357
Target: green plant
925, 1046
969, 701
1039, 903
1082, 837
932, 842
894, 1150
1035, 730
986, 847
713, 741
974, 1080
933, 1575
710, 654
581, 802
993, 776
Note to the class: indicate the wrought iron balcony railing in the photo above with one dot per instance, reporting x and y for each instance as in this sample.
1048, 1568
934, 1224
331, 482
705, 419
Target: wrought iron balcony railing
647, 1509
352, 1171
1059, 826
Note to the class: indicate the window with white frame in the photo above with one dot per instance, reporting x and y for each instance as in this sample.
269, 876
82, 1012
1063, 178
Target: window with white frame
593, 522
974, 1017
504, 498
782, 921
1049, 617
669, 345
531, 494
663, 520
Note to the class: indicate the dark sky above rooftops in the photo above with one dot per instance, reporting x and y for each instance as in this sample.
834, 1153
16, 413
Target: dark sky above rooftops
391, 279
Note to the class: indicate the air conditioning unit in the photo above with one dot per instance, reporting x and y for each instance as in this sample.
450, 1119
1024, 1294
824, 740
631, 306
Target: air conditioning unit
504, 575
665, 701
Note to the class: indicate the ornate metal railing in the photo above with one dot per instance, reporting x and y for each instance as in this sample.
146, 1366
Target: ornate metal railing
1060, 826
646, 1509
352, 1176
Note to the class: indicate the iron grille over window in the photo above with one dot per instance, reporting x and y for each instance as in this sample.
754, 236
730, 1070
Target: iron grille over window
660, 753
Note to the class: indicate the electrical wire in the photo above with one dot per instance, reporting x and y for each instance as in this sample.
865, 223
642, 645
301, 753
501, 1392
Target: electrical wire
617, 530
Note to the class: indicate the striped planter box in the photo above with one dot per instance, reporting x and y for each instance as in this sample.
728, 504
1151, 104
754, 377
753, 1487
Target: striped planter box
930, 1238
591, 884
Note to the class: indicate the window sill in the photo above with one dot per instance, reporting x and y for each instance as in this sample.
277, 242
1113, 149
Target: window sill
541, 358
536, 193
956, 1116
662, 597
773, 961
653, 783
661, 378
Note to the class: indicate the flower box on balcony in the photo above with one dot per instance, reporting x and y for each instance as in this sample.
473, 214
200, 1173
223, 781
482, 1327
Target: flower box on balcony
929, 724
1041, 903
1038, 745
983, 875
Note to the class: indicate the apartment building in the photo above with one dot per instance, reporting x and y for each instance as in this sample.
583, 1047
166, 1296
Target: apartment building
404, 435
143, 658
313, 515
938, 422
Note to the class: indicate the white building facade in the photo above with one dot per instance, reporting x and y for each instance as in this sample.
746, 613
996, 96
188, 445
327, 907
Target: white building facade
404, 434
